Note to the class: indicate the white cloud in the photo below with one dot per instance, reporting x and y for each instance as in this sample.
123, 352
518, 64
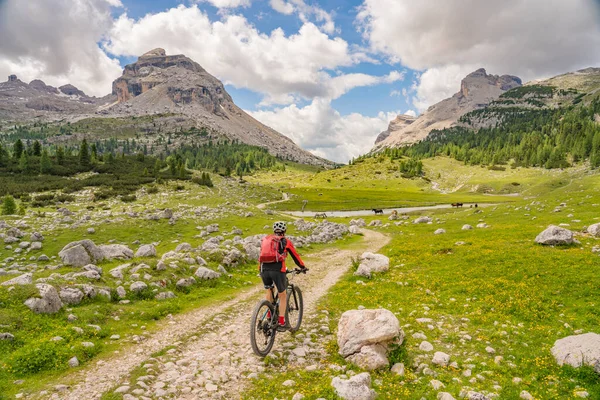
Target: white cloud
282, 7
56, 41
279, 66
395, 93
228, 3
412, 113
527, 38
324, 131
304, 12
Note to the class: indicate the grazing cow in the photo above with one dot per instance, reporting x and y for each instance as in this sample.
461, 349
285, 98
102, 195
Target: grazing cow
476, 205
378, 211
320, 215
457, 205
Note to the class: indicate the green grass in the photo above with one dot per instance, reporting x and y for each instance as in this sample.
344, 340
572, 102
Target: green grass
499, 287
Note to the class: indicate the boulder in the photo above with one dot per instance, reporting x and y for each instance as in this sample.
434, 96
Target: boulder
73, 362
467, 227
594, 230
375, 222
6, 336
121, 292
370, 357
422, 220
25, 279
146, 250
441, 359
578, 350
358, 222
205, 273
370, 262
35, 246
357, 387
71, 296
185, 282
36, 237
164, 296
439, 232
137, 286
48, 303
183, 247
81, 253
233, 257
555, 235
354, 229
116, 251
365, 328
117, 272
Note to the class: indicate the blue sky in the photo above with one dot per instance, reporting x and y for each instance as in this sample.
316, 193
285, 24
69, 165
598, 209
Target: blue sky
329, 74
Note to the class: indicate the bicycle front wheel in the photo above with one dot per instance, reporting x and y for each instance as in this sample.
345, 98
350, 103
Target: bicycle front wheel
263, 328
295, 308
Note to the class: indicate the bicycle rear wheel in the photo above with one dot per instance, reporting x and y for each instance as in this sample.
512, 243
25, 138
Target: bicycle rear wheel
295, 308
263, 327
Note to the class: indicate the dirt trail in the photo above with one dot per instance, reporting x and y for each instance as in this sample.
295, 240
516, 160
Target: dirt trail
217, 361
264, 205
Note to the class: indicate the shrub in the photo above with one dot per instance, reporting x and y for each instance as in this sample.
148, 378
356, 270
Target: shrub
64, 198
128, 198
37, 358
152, 190
9, 206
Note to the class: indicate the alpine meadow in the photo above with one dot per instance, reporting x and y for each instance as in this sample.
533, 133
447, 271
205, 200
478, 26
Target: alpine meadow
325, 200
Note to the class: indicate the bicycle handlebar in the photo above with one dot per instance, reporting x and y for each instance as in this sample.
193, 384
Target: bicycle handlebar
297, 271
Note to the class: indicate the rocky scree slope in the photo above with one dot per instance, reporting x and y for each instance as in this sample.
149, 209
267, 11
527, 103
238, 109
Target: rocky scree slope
477, 90
22, 101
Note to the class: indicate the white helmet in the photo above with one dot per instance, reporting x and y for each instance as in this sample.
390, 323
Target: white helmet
279, 226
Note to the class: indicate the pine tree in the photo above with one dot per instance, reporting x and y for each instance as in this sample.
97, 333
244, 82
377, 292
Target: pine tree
45, 163
18, 149
9, 206
94, 151
157, 166
84, 154
60, 155
24, 162
37, 148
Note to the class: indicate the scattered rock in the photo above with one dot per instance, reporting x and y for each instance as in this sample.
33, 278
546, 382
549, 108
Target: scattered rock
422, 220
373, 329
6, 336
441, 359
594, 230
25, 279
578, 350
71, 296
205, 273
555, 235
439, 232
138, 286
48, 303
357, 387
116, 252
467, 227
81, 253
164, 296
146, 250
370, 262
398, 369
73, 362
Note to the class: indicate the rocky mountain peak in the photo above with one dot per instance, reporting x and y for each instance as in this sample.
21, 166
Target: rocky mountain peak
71, 90
397, 124
480, 79
477, 90
158, 52
12, 78
40, 85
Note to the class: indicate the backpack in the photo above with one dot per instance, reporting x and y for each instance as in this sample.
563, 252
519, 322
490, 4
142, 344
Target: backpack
269, 250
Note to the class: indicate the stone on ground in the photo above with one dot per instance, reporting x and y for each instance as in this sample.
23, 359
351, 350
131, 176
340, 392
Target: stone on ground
370, 262
205, 273
555, 235
25, 279
441, 359
356, 388
146, 250
422, 220
48, 303
594, 230
71, 296
80, 253
578, 350
116, 252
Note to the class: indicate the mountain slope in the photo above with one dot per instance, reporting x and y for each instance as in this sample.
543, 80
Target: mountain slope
159, 83
156, 85
477, 90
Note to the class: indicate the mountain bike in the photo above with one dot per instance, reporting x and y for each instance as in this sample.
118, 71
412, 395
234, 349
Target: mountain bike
264, 324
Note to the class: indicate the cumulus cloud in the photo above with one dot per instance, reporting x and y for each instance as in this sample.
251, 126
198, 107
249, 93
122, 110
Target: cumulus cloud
439, 83
324, 131
59, 49
281, 67
228, 3
528, 38
305, 12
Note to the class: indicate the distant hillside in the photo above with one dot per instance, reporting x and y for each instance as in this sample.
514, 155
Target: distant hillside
156, 86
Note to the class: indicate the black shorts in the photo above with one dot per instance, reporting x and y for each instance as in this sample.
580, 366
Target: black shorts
273, 277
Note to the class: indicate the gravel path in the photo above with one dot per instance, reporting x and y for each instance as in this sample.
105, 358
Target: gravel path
218, 360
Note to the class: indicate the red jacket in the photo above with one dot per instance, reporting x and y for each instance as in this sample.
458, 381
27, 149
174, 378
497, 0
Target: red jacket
286, 247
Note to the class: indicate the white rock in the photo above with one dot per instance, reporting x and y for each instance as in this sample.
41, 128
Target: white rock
578, 350
205, 273
71, 296
445, 396
525, 395
594, 230
467, 227
146, 250
426, 346
441, 359
370, 262
137, 286
555, 235
436, 385
398, 369
357, 387
370, 357
81, 253
116, 252
73, 362
48, 303
25, 279
422, 220
439, 232
358, 328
